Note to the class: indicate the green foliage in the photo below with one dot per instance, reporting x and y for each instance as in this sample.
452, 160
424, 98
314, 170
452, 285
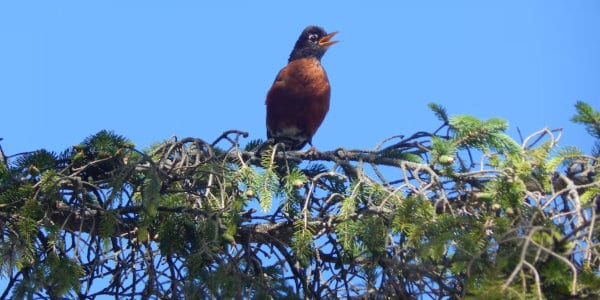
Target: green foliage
443, 151
253, 145
150, 199
556, 282
439, 111
348, 207
151, 194
62, 274
322, 177
507, 192
4, 173
102, 153
590, 283
372, 234
293, 181
108, 224
347, 228
483, 135
177, 235
410, 157
32, 210
302, 245
563, 157
23, 254
368, 233
36, 162
267, 182
50, 186
590, 195
16, 194
225, 281
104, 144
412, 214
587, 116
590, 118
57, 274
488, 286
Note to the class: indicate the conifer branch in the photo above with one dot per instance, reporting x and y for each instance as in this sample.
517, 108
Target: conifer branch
417, 216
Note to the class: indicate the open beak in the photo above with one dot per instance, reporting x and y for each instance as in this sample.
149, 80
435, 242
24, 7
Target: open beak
326, 40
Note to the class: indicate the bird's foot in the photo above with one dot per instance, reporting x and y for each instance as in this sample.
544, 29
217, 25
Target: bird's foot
312, 151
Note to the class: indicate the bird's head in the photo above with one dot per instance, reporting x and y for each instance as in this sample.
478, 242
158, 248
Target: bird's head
313, 42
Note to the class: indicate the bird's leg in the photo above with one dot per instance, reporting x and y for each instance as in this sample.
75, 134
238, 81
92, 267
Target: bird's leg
284, 150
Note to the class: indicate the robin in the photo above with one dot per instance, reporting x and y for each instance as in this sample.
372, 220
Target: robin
299, 98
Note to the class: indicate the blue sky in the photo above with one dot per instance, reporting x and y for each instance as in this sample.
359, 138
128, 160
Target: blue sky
152, 69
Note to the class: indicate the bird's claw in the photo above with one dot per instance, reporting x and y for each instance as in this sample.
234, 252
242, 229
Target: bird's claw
312, 151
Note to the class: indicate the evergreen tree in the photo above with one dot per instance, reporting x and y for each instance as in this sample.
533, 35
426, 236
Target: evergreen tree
461, 212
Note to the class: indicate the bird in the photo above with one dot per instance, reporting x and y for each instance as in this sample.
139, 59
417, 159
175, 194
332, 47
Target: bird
298, 100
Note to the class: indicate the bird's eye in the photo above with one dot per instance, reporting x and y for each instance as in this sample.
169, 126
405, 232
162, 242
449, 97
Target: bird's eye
313, 38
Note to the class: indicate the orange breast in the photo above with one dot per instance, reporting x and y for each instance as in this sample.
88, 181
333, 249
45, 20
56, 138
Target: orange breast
298, 101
